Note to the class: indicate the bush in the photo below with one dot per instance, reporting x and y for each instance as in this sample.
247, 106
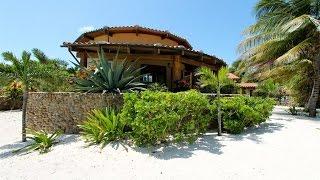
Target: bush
157, 87
14, 91
102, 127
242, 111
157, 117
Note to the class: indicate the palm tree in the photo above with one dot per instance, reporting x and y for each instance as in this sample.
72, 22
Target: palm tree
284, 41
216, 81
26, 71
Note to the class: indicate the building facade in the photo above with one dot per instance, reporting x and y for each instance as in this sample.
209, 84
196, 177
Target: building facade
167, 58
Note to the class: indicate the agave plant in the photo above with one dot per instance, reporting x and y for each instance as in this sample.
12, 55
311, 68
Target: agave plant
102, 127
42, 141
112, 77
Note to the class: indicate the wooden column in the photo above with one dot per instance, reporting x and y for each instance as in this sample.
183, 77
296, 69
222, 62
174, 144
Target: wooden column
168, 76
176, 68
84, 59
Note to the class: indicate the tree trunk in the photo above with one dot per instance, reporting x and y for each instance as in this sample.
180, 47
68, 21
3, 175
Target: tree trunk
24, 112
312, 103
219, 112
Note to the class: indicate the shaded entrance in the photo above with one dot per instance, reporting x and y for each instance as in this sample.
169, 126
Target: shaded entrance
154, 74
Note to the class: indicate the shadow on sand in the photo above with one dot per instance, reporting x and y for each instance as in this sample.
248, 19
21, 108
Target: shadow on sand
208, 143
7, 151
255, 133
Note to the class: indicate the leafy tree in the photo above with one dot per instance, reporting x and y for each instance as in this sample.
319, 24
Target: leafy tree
267, 88
60, 73
216, 81
234, 66
284, 40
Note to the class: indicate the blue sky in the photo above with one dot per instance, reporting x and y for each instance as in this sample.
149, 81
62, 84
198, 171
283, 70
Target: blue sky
213, 26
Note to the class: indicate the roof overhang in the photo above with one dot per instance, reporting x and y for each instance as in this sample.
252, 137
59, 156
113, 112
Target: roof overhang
150, 48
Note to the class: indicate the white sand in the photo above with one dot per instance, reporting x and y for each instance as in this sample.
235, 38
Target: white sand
286, 147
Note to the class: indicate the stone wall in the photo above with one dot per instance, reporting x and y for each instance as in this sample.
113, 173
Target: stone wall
64, 111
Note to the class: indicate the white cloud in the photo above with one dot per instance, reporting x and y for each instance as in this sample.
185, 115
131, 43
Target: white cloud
85, 29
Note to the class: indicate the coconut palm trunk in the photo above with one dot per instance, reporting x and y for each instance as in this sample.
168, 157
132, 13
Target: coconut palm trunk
219, 111
312, 103
24, 113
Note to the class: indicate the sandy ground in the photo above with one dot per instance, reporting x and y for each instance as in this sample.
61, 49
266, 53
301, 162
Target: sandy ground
286, 147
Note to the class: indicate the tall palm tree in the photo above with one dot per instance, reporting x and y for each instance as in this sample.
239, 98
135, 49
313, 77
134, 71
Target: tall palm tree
26, 71
216, 81
285, 38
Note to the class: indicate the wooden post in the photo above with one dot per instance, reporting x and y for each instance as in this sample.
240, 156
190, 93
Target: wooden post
176, 68
168, 76
83, 59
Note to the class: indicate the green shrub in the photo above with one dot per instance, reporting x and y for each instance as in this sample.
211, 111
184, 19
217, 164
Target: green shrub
42, 141
157, 117
14, 91
242, 111
102, 127
234, 127
157, 87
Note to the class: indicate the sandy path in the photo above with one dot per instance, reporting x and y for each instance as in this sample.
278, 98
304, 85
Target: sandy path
285, 147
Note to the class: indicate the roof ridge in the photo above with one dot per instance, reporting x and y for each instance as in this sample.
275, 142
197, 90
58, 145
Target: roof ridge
138, 27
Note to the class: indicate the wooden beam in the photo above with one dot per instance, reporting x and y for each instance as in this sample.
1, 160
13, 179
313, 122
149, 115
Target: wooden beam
128, 50
198, 64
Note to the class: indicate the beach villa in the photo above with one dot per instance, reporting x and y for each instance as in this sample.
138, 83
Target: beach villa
168, 58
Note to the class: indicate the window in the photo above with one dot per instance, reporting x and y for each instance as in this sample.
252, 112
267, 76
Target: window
147, 78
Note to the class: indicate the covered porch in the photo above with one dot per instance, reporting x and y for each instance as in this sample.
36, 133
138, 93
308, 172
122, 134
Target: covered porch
164, 64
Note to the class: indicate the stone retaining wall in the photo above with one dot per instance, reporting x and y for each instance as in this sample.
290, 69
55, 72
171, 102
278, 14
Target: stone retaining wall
64, 111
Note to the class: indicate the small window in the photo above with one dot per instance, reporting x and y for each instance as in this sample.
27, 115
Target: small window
147, 78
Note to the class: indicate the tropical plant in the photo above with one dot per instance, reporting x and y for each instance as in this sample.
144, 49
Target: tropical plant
157, 87
116, 76
235, 66
41, 141
102, 127
216, 81
242, 111
284, 42
161, 117
58, 70
5, 79
25, 71
267, 88
14, 93
293, 110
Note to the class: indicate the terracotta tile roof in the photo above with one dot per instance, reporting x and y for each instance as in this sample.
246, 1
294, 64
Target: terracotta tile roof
137, 29
248, 85
232, 76
97, 43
